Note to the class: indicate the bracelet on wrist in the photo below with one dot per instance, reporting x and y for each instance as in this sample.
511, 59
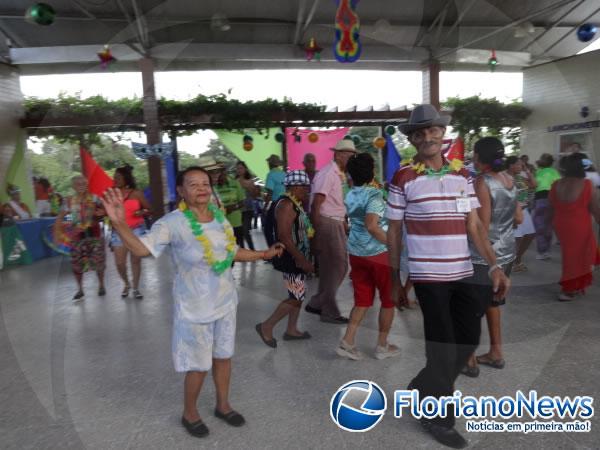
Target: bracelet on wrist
494, 267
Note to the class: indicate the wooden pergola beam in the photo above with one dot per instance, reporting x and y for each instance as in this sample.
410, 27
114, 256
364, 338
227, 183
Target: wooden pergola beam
136, 122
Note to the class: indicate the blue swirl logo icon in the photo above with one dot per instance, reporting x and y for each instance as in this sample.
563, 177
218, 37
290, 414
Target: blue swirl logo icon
358, 406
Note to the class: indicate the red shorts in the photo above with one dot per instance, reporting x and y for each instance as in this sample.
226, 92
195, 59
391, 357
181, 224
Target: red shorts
368, 273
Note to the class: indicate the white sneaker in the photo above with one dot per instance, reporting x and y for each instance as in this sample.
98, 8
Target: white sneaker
345, 350
542, 256
389, 351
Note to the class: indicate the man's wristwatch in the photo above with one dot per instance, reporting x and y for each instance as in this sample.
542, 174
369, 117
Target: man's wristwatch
494, 267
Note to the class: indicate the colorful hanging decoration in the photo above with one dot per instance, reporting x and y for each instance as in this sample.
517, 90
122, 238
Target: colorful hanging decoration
347, 46
280, 137
379, 142
145, 151
40, 14
296, 134
312, 50
313, 137
106, 57
586, 32
248, 146
390, 130
493, 61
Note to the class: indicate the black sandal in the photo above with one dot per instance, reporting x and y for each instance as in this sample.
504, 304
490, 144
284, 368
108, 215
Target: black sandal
233, 418
485, 360
272, 343
196, 429
291, 337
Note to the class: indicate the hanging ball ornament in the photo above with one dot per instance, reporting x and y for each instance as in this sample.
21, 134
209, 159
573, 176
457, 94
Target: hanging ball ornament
586, 32
40, 14
248, 146
279, 137
390, 130
313, 137
379, 142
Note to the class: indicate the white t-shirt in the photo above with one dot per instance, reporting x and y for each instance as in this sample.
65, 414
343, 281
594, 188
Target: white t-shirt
200, 295
594, 177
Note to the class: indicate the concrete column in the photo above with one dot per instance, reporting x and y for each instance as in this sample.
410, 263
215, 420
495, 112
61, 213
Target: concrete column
153, 136
431, 83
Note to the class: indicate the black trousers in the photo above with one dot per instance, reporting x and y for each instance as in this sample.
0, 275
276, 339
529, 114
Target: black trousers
246, 228
452, 313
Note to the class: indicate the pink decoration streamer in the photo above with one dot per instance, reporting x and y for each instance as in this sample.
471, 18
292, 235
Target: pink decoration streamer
321, 148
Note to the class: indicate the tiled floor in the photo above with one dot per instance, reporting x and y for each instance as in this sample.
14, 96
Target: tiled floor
98, 374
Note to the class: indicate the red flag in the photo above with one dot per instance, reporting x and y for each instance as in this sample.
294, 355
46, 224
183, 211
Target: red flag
457, 150
98, 180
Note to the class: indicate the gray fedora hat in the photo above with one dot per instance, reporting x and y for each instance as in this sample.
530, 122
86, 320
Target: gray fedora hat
423, 116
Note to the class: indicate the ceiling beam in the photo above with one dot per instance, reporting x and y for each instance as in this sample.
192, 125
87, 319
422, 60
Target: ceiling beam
460, 18
513, 24
555, 24
567, 34
433, 24
14, 38
309, 18
84, 10
299, 20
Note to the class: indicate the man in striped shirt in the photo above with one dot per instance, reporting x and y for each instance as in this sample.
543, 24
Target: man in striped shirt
435, 200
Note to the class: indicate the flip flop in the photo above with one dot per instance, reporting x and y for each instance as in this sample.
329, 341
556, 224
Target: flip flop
495, 363
196, 429
272, 343
291, 337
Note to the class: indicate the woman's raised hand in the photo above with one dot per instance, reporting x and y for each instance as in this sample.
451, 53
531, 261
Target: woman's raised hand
113, 204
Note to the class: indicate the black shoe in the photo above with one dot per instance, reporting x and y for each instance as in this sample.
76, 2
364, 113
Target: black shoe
101, 292
339, 320
445, 436
196, 429
233, 418
310, 309
471, 372
78, 296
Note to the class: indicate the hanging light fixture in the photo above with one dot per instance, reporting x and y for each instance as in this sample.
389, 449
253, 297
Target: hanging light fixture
219, 22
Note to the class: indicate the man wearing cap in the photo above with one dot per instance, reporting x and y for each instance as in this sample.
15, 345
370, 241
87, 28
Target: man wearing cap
328, 215
293, 229
274, 189
435, 200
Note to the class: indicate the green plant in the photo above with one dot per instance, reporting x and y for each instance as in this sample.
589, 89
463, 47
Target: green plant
218, 111
474, 117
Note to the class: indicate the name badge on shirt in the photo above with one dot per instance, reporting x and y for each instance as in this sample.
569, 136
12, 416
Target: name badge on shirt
463, 203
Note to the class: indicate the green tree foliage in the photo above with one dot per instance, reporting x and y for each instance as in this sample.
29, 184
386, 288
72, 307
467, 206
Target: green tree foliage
230, 113
474, 117
59, 161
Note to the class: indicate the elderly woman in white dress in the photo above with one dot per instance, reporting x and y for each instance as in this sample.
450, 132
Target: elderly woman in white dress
202, 247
